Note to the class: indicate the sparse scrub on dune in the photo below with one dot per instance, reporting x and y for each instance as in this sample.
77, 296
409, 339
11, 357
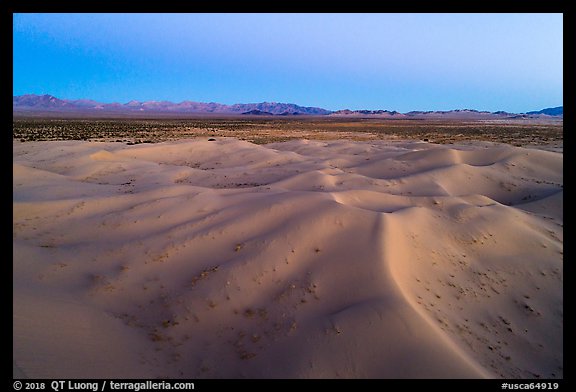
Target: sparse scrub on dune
204, 274
101, 283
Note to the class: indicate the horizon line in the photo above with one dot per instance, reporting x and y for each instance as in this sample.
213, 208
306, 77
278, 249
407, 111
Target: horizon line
279, 103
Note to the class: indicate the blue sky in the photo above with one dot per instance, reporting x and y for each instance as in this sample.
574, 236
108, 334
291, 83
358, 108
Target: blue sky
402, 62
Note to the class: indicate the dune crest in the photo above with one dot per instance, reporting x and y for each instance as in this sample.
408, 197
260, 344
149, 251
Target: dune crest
302, 259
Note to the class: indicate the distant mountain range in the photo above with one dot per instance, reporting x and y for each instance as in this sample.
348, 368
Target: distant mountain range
557, 111
32, 103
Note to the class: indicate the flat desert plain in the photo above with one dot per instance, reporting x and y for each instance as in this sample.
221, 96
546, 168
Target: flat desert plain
298, 259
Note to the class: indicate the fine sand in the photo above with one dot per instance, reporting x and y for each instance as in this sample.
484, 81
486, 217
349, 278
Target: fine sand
303, 259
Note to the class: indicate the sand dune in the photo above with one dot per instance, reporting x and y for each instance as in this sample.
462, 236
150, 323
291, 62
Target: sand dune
303, 259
